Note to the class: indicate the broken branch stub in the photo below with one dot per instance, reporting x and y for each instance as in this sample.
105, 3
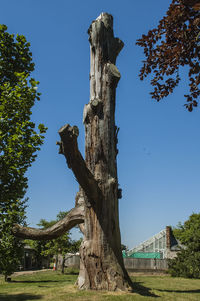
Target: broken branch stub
75, 161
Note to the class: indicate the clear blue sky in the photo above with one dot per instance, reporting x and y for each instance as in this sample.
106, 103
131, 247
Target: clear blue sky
158, 162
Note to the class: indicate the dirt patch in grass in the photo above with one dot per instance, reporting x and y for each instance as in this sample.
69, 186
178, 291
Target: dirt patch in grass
138, 274
21, 273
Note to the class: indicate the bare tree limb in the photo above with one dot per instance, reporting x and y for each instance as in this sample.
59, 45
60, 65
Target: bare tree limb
73, 218
75, 161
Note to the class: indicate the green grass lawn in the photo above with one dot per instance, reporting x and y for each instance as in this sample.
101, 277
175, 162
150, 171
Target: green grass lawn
57, 287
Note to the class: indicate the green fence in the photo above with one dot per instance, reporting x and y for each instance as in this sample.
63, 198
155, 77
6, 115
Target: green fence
156, 255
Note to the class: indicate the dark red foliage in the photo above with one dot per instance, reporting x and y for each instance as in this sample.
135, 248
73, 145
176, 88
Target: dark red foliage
174, 43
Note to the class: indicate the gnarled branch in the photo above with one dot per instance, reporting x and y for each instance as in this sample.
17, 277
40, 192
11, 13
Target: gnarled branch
73, 218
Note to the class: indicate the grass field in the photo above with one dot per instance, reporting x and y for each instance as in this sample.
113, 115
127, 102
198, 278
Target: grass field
53, 286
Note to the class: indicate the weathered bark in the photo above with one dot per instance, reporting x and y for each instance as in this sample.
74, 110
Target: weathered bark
102, 265
73, 218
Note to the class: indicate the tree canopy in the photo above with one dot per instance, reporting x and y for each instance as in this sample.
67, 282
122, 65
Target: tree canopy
18, 139
174, 43
11, 247
187, 262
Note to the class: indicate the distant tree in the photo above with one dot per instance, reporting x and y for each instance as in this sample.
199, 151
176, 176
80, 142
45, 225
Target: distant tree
174, 43
18, 139
54, 247
11, 247
124, 247
187, 262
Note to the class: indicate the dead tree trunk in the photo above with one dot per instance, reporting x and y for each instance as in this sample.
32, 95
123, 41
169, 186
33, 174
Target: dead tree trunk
102, 266
101, 257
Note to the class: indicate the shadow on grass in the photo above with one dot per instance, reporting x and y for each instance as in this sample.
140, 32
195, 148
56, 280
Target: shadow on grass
71, 273
38, 281
143, 291
180, 291
19, 297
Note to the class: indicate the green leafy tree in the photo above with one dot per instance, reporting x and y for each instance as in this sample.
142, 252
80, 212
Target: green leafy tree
124, 247
19, 140
187, 262
11, 248
174, 43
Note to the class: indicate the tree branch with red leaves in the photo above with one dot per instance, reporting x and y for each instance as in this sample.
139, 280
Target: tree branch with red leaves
174, 43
